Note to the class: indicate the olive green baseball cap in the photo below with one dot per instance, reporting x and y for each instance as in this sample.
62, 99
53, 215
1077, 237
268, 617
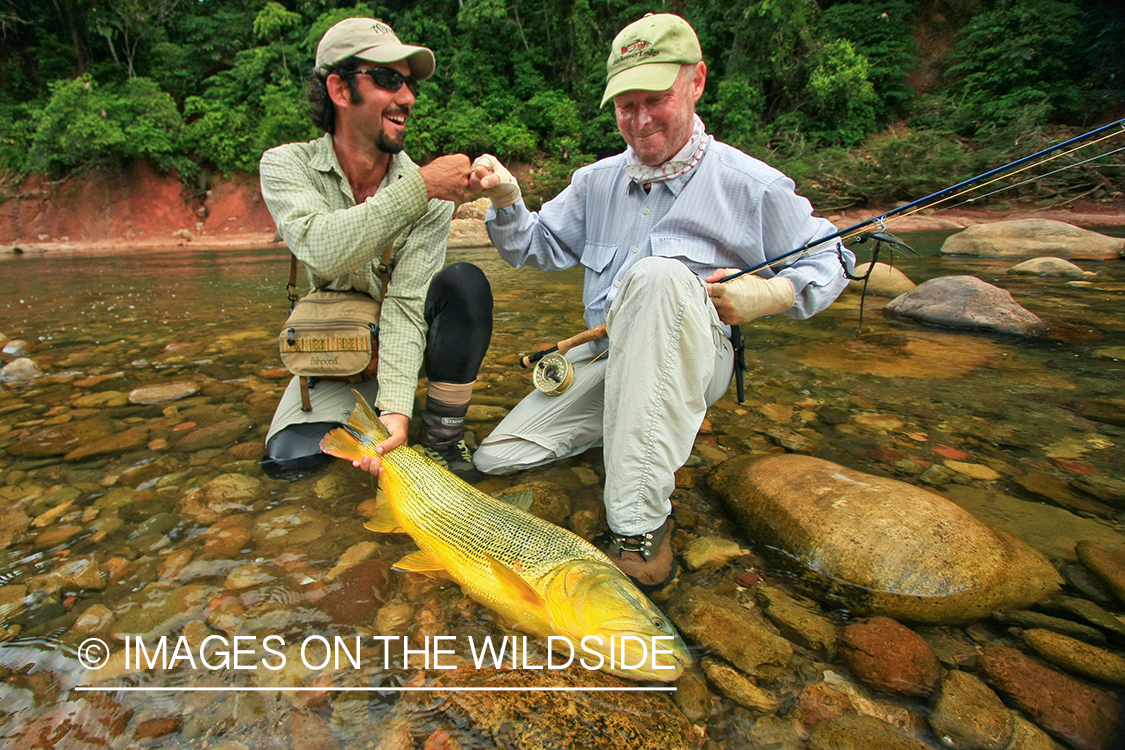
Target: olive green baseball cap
647, 54
372, 41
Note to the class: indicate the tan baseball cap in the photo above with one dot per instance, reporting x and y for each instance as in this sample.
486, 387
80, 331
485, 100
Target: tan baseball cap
647, 54
373, 41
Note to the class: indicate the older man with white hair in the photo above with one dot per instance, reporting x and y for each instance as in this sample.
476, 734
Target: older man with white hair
656, 228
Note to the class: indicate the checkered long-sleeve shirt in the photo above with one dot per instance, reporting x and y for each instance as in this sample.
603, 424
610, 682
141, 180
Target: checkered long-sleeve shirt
342, 243
730, 211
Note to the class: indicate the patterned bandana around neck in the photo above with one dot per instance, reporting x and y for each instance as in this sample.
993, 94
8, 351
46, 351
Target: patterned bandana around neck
684, 159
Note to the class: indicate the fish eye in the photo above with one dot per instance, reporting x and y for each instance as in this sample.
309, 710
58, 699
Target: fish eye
658, 624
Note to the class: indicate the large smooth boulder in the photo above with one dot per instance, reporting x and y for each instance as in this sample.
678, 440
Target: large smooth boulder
1031, 238
880, 546
964, 302
885, 281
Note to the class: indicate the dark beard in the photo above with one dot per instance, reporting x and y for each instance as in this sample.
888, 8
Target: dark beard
384, 143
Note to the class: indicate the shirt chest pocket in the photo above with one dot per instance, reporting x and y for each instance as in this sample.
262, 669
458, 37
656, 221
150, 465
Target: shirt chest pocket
597, 257
698, 253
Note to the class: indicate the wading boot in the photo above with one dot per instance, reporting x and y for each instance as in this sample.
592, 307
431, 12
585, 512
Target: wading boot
646, 558
443, 439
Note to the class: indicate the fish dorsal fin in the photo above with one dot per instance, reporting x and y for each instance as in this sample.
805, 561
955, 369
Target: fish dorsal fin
384, 520
521, 499
363, 418
515, 585
420, 562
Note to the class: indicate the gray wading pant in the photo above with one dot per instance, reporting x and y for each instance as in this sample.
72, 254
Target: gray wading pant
645, 399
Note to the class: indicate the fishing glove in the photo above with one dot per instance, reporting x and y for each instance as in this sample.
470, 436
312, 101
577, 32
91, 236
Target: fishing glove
749, 297
507, 191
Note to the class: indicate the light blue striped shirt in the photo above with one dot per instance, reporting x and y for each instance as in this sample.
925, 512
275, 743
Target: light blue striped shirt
730, 211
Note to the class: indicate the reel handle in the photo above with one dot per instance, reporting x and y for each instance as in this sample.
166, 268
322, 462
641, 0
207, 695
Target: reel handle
591, 334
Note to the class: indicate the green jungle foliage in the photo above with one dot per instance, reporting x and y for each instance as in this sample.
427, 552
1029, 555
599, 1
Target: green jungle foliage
861, 102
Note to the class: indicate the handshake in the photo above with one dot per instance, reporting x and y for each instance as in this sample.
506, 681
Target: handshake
452, 178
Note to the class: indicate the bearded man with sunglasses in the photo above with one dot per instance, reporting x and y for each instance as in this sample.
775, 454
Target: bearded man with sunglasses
339, 202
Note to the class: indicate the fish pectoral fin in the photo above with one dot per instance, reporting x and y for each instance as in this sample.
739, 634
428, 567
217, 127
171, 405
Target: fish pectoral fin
521, 499
384, 521
515, 585
420, 562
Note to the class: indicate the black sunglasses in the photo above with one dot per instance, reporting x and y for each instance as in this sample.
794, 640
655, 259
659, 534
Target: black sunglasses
390, 79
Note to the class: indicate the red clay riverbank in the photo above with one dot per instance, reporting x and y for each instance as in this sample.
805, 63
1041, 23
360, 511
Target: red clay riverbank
141, 210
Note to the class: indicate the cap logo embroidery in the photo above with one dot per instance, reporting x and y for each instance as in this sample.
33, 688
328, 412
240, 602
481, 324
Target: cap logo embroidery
381, 28
636, 46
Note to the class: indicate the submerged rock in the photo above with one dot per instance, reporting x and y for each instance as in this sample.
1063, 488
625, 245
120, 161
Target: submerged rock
723, 627
1029, 238
879, 545
1077, 657
885, 281
889, 656
851, 732
223, 495
19, 370
1107, 562
1047, 267
1083, 716
515, 719
162, 392
968, 715
63, 438
964, 302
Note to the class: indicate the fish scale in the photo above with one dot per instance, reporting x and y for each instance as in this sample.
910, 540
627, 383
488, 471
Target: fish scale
468, 524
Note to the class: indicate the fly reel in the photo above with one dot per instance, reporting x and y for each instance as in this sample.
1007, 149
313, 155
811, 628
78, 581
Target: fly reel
553, 374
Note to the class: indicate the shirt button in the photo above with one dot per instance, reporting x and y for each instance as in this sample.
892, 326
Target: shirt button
635, 249
617, 284
647, 210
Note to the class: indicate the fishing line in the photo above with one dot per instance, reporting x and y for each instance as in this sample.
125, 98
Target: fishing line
1039, 177
928, 202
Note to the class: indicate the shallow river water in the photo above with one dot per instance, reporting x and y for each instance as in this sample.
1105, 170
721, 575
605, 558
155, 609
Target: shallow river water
123, 519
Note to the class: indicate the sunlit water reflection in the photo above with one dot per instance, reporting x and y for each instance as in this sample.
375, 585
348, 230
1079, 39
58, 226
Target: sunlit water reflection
899, 401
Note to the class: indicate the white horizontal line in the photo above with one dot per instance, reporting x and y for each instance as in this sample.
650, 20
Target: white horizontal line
90, 688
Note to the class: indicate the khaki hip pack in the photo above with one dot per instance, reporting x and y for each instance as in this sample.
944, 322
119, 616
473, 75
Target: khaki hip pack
331, 335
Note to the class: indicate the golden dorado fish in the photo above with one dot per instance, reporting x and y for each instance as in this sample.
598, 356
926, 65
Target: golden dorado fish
540, 578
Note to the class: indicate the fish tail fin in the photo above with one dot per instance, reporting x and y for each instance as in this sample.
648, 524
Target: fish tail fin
343, 443
364, 419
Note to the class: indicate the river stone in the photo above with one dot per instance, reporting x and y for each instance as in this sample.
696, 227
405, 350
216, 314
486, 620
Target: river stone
724, 628
736, 686
17, 347
92, 721
123, 441
61, 438
1038, 620
796, 621
852, 732
1107, 562
11, 601
162, 392
967, 715
964, 302
1047, 267
889, 656
879, 545
13, 522
711, 552
1077, 657
885, 281
1027, 736
1047, 528
214, 436
1031, 238
222, 496
18, 370
511, 720
1084, 717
